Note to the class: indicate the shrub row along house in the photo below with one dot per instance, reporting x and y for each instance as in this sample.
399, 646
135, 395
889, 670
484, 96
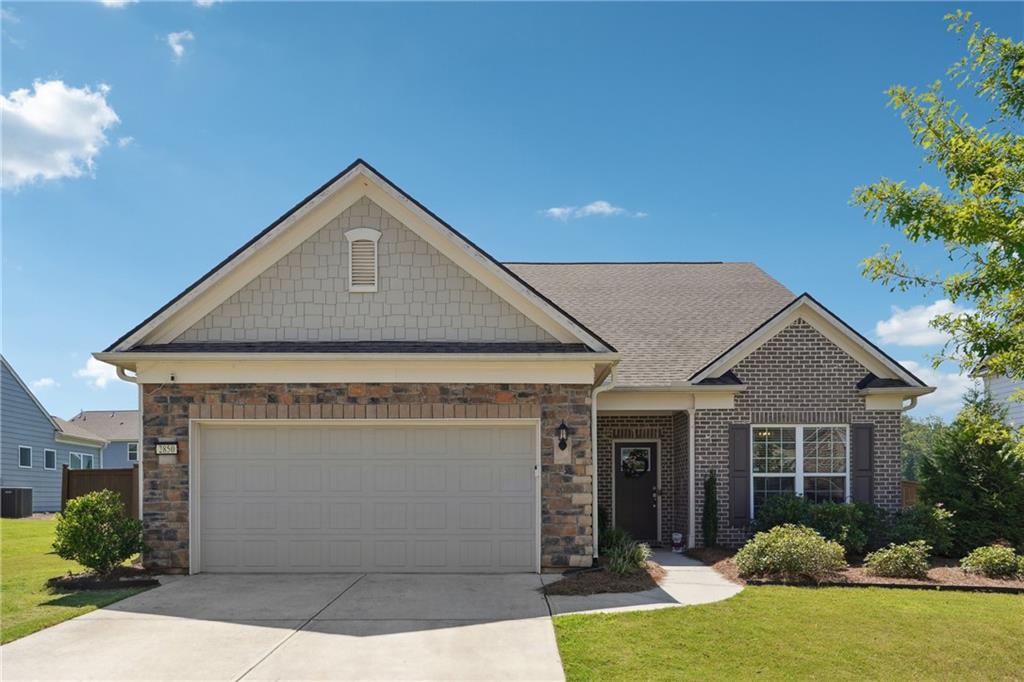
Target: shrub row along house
35, 445
362, 388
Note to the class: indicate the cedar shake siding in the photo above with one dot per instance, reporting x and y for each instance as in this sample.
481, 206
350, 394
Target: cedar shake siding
796, 377
566, 492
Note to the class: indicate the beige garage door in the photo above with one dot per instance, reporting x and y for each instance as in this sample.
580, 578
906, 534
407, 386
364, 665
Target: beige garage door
352, 498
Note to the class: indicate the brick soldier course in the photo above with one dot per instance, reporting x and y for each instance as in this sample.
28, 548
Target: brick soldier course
566, 488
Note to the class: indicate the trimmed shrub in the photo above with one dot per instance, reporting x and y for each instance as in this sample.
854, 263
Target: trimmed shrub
709, 522
95, 531
932, 523
613, 538
779, 510
628, 558
790, 552
908, 560
977, 472
994, 561
857, 527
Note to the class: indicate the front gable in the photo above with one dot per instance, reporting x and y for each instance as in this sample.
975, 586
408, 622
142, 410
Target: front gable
421, 294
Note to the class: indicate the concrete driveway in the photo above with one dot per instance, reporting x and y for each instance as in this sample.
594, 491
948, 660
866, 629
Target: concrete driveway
312, 627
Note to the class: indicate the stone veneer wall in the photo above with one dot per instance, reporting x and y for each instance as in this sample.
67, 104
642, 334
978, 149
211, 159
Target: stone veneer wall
672, 459
796, 377
566, 493
421, 296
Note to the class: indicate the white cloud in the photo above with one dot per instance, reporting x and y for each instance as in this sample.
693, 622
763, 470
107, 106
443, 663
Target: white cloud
950, 388
97, 373
594, 208
45, 382
177, 42
53, 131
117, 4
126, 141
9, 16
911, 327
205, 3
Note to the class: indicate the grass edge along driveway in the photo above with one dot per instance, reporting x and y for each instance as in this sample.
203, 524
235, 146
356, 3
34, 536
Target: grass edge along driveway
803, 633
26, 562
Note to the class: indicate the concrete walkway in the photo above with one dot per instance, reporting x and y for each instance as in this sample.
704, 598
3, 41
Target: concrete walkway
687, 581
309, 627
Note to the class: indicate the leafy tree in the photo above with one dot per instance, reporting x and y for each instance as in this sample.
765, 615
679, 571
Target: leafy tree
979, 216
977, 473
917, 441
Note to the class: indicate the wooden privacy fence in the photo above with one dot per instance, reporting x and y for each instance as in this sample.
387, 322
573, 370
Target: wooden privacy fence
908, 489
78, 482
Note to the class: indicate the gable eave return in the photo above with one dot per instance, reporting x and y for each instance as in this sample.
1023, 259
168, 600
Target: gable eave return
307, 217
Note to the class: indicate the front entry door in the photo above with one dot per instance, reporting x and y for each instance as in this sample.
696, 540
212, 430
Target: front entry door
636, 489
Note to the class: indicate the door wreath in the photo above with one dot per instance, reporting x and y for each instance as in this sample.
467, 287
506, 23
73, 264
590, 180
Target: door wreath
636, 462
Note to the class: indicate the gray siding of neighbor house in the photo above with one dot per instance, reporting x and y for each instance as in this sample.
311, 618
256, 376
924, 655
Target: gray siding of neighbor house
1001, 389
422, 295
22, 423
115, 456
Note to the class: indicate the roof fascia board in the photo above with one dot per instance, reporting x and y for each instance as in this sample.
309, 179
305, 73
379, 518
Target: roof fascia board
128, 360
62, 437
825, 322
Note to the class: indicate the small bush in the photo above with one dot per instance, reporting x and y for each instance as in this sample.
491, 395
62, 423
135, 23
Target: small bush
628, 558
95, 531
842, 523
908, 560
779, 510
857, 527
709, 522
790, 552
613, 538
994, 561
931, 523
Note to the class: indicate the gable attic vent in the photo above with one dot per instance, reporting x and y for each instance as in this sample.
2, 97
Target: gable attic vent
362, 259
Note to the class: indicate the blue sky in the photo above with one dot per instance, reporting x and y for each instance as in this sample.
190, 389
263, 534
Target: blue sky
710, 132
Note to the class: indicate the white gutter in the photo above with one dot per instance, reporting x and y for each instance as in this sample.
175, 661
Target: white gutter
128, 359
912, 405
607, 385
124, 376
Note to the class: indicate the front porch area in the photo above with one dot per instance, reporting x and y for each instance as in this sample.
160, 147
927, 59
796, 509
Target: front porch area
643, 473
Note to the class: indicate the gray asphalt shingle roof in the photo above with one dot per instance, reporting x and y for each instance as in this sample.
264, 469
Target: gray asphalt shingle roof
110, 424
77, 430
667, 320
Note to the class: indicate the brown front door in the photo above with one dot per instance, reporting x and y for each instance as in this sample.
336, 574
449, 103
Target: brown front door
636, 489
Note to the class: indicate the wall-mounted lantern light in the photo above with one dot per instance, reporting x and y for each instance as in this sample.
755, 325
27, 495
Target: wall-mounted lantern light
563, 435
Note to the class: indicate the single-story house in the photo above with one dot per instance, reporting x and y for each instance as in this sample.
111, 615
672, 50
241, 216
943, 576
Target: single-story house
121, 430
35, 445
360, 387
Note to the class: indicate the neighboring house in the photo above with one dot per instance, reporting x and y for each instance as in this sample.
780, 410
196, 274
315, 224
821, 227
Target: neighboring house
35, 445
120, 428
361, 388
1003, 390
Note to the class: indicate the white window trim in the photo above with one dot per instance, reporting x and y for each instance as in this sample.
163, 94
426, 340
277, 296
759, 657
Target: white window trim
80, 455
45, 451
798, 486
31, 456
364, 234
129, 455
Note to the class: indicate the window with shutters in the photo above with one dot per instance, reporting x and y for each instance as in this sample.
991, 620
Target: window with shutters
362, 259
810, 461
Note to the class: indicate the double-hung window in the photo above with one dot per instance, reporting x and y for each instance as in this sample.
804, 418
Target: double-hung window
80, 460
810, 461
133, 452
24, 457
49, 459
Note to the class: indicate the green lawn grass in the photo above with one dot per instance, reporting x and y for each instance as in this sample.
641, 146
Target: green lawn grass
769, 633
26, 562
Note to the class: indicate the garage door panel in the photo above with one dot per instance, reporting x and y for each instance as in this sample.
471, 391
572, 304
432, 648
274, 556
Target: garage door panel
348, 500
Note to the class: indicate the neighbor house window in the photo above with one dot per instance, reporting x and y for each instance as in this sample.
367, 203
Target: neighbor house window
81, 460
25, 457
49, 459
811, 461
362, 259
133, 452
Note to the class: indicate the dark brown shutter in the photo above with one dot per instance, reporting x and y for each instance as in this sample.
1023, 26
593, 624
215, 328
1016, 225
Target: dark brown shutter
739, 474
862, 462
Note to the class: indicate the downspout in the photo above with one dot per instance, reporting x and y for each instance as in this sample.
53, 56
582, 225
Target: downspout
607, 385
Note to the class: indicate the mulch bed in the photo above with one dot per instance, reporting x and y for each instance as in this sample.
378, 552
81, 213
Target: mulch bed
601, 581
945, 574
120, 578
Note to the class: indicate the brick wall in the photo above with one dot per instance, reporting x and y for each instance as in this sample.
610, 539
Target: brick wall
566, 493
672, 461
796, 377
